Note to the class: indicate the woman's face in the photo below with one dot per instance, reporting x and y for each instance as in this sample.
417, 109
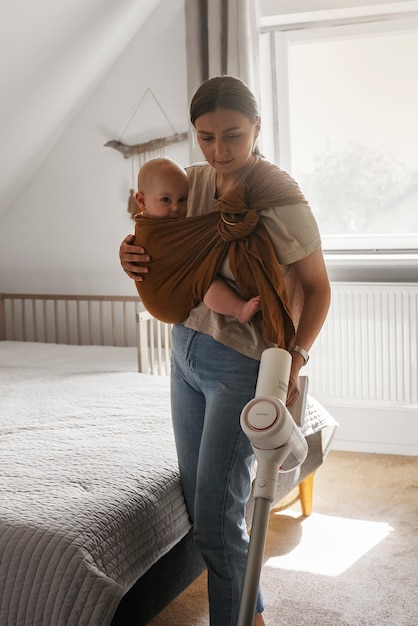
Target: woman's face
226, 138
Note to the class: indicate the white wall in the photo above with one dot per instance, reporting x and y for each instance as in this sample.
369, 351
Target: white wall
69, 46
62, 235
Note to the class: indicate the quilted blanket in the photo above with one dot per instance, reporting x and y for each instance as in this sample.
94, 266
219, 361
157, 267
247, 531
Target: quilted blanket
90, 494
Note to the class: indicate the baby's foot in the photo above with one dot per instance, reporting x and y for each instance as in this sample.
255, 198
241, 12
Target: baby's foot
249, 309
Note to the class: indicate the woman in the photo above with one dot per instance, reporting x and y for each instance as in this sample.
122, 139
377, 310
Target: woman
215, 359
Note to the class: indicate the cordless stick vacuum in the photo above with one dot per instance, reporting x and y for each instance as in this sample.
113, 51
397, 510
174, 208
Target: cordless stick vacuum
279, 446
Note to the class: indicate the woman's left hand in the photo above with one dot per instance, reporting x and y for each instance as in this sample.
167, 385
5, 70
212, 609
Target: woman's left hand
293, 390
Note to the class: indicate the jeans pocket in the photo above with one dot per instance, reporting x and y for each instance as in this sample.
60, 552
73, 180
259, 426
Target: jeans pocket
184, 347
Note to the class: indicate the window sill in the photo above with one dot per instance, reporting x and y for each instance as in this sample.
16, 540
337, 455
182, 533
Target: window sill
379, 266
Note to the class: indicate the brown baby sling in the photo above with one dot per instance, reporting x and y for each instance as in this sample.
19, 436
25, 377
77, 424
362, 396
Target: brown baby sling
187, 253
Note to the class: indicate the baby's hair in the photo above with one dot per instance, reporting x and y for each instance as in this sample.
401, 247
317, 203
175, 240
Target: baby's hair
153, 168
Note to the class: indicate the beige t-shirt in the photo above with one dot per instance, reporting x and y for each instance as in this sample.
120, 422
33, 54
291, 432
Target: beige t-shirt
294, 233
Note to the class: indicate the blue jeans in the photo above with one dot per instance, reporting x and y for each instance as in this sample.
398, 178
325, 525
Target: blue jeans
210, 384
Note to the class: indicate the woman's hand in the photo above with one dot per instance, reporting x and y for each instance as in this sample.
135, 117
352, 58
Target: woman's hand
293, 390
131, 257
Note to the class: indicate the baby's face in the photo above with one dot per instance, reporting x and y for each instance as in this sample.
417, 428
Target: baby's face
168, 198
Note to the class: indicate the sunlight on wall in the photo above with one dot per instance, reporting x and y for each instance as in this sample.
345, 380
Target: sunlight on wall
331, 545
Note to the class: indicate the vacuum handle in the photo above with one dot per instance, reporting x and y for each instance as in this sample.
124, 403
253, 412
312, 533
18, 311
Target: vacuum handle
273, 375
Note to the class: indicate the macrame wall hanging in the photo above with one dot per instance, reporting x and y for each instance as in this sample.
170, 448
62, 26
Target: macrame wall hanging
142, 152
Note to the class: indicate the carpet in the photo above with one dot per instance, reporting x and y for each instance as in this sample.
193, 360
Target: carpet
354, 561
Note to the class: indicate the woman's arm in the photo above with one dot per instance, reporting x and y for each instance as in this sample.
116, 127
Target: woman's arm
312, 273
130, 256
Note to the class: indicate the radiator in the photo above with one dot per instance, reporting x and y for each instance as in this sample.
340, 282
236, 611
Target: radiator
363, 365
367, 351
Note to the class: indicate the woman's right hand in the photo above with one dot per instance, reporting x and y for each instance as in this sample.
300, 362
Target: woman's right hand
131, 256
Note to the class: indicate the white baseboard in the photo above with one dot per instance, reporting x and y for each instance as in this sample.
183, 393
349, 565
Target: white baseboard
383, 430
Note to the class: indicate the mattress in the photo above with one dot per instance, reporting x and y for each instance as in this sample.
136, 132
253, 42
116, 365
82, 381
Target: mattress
90, 493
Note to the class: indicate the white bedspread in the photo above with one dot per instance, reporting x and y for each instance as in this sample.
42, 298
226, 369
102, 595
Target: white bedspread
90, 494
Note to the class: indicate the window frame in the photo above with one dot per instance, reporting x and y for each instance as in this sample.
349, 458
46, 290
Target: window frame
277, 33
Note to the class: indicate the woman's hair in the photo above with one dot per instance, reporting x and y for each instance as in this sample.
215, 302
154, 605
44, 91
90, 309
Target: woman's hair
223, 92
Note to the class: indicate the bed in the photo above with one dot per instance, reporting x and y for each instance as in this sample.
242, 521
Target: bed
93, 525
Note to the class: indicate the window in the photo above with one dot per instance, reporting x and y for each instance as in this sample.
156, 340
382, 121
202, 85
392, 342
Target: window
339, 104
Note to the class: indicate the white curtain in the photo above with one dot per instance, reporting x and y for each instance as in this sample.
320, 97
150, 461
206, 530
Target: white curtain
221, 38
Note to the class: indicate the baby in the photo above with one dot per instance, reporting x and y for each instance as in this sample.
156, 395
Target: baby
162, 193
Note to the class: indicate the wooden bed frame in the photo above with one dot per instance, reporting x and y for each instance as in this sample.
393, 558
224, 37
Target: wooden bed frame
87, 320
121, 321
68, 319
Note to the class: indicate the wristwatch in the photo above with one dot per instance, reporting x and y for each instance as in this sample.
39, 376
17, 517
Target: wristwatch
301, 351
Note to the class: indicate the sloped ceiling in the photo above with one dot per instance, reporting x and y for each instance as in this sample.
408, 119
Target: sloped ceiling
53, 54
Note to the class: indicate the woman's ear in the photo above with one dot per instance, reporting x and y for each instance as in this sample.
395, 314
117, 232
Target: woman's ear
257, 126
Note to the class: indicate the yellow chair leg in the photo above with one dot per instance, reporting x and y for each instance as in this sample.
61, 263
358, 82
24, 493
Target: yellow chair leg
306, 494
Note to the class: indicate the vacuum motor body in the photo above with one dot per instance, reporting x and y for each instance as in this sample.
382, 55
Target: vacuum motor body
276, 439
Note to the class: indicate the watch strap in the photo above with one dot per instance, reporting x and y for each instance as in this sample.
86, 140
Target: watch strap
302, 352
